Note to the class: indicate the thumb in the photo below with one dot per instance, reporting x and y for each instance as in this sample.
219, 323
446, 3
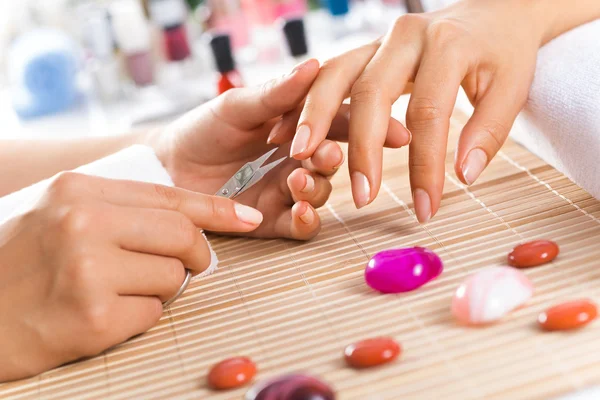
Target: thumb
248, 108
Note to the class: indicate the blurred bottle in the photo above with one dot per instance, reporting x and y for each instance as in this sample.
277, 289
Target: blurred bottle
134, 38
170, 15
227, 16
104, 65
295, 36
229, 77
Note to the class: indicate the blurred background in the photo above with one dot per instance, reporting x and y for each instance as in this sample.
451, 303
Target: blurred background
72, 68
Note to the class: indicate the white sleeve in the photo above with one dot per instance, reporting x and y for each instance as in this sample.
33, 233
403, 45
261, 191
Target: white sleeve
136, 163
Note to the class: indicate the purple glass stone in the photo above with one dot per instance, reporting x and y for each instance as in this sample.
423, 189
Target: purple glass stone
291, 387
402, 270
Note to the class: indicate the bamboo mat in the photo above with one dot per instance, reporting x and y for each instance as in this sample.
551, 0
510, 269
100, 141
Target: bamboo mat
294, 306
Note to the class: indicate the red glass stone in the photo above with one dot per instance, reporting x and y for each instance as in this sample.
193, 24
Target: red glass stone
231, 373
532, 254
371, 352
567, 316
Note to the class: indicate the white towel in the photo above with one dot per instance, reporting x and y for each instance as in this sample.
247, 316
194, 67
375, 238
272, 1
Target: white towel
136, 163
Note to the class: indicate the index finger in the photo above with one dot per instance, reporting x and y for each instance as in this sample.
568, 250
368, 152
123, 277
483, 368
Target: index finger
325, 97
248, 108
212, 213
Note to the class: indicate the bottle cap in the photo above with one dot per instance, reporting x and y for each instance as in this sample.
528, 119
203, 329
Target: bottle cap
338, 7
221, 48
293, 30
168, 13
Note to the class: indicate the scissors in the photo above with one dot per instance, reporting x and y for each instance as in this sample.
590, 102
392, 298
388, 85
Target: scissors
246, 177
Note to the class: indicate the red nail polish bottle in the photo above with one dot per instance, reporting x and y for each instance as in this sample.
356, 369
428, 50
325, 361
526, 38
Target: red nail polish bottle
230, 78
170, 15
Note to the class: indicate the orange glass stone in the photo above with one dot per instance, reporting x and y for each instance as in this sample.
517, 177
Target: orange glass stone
371, 352
532, 254
566, 316
231, 373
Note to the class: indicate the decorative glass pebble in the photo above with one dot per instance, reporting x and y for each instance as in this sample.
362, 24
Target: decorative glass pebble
231, 373
291, 387
567, 316
371, 352
532, 254
489, 294
402, 270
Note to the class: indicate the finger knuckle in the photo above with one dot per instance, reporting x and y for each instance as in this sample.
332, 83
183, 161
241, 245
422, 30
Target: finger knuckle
66, 184
496, 131
366, 90
408, 22
168, 197
188, 233
96, 318
75, 219
444, 32
81, 271
423, 110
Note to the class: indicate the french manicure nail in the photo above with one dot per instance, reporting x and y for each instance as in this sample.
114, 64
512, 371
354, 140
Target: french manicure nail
301, 139
340, 163
409, 136
308, 217
422, 204
247, 214
473, 165
275, 131
310, 184
361, 189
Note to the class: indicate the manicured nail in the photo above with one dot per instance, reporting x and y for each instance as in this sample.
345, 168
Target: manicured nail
308, 217
361, 189
409, 136
310, 184
474, 164
340, 163
301, 139
275, 131
247, 214
300, 66
422, 205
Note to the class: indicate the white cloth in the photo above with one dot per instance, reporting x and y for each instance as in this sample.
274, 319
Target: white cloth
561, 121
135, 163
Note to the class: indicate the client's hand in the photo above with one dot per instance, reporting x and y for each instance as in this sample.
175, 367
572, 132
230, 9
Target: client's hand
88, 266
204, 148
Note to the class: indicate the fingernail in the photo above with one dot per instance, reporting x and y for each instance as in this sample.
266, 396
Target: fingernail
301, 139
308, 217
247, 214
340, 163
310, 184
299, 66
473, 165
422, 204
361, 189
409, 136
275, 131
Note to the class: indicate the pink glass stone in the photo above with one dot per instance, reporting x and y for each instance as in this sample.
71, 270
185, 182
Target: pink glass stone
402, 270
291, 387
488, 295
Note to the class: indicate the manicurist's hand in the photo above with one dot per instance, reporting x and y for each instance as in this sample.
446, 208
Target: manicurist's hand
204, 148
487, 46
89, 265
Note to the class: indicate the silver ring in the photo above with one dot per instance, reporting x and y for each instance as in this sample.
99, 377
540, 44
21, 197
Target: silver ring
184, 285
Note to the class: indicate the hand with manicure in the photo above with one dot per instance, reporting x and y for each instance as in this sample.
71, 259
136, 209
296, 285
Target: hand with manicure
488, 47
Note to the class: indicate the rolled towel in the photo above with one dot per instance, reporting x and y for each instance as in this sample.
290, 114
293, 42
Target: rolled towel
135, 163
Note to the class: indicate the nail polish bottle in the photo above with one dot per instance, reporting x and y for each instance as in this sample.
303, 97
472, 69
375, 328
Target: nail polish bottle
170, 15
339, 13
229, 77
228, 17
293, 30
103, 65
133, 36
